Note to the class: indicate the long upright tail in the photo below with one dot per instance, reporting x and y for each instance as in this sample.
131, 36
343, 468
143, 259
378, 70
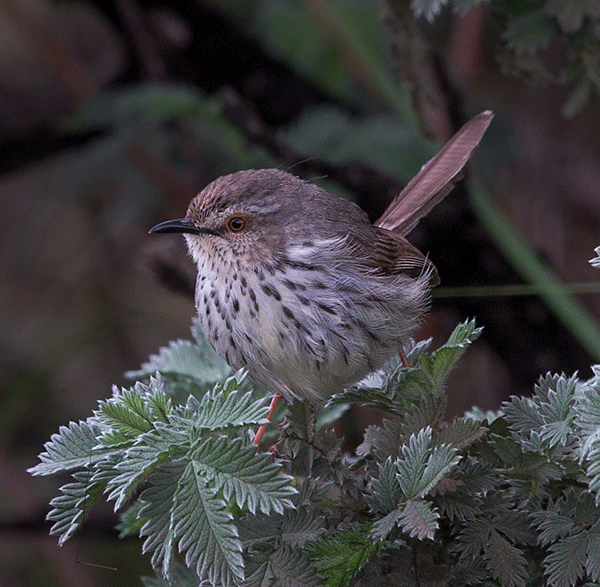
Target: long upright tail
436, 178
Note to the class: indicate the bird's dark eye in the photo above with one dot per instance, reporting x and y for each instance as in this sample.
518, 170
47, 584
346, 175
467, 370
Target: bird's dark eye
236, 224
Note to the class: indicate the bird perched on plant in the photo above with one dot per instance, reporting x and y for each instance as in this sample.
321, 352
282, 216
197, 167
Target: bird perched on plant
298, 287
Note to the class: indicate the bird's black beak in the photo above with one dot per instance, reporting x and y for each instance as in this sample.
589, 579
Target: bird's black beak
183, 225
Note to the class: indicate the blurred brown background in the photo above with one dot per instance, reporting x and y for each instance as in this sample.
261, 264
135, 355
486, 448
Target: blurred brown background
97, 145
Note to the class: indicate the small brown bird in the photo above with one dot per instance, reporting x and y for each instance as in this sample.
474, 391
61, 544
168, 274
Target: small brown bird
298, 287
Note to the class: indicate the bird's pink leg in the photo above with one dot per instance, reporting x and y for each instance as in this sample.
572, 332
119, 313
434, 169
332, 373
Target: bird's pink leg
272, 406
403, 358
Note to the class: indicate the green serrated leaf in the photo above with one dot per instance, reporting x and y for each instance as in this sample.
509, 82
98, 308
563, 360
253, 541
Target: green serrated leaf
130, 523
474, 537
187, 505
385, 441
341, 557
426, 411
433, 368
442, 460
371, 397
196, 360
505, 560
244, 475
592, 562
588, 421
570, 529
73, 447
458, 506
136, 465
479, 415
127, 422
227, 406
286, 568
585, 512
116, 440
385, 491
555, 395
301, 526
68, 509
411, 466
412, 393
552, 524
383, 527
566, 560
422, 466
514, 526
507, 450
311, 491
294, 528
460, 433
160, 407
157, 507
260, 532
204, 529
548, 414
464, 334
419, 519
128, 412
470, 571
475, 478
523, 415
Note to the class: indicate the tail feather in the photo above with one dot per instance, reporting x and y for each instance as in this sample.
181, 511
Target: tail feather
436, 178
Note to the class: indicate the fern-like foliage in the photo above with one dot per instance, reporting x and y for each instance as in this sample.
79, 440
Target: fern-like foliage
340, 558
509, 498
187, 366
193, 464
588, 423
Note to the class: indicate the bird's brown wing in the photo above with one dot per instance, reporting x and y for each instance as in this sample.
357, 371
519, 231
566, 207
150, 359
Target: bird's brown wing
392, 254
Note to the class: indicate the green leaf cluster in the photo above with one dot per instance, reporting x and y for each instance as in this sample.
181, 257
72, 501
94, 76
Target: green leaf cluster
509, 498
185, 473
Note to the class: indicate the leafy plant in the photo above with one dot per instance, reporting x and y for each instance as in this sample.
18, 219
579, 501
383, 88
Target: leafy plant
488, 500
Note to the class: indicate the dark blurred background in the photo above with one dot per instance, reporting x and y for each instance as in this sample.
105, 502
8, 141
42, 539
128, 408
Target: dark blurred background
114, 114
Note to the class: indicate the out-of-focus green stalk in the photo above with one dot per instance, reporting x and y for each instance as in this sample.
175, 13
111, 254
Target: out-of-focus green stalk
358, 57
566, 308
518, 289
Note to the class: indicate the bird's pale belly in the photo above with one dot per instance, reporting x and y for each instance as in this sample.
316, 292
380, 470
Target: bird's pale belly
293, 341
